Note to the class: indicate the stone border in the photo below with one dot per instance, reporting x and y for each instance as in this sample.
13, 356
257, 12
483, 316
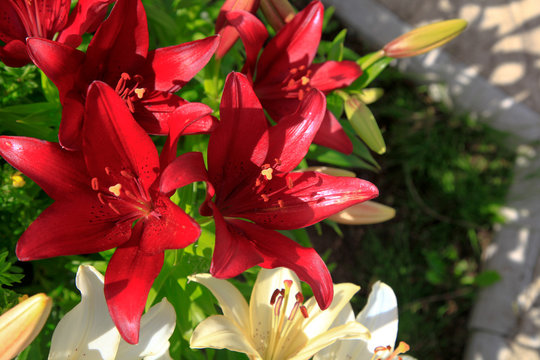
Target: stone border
505, 322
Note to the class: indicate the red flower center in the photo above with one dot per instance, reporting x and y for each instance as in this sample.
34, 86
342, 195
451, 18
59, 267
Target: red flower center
296, 84
264, 178
129, 90
127, 197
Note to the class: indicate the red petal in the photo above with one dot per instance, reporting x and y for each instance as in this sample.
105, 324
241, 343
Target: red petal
289, 140
112, 138
332, 75
153, 111
294, 45
234, 252
228, 34
332, 135
14, 54
53, 16
128, 280
60, 173
278, 250
167, 227
70, 133
253, 34
59, 62
169, 69
233, 154
188, 118
11, 26
80, 225
85, 17
299, 199
184, 170
120, 43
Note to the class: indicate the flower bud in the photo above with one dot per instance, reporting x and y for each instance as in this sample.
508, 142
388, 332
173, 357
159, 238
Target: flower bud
277, 12
368, 212
424, 38
364, 124
22, 323
331, 171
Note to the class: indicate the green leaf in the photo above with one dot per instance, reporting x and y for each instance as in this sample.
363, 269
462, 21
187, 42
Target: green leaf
336, 49
332, 157
487, 278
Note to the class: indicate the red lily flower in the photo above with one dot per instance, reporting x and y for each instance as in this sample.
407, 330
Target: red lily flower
250, 173
44, 18
285, 70
99, 193
118, 55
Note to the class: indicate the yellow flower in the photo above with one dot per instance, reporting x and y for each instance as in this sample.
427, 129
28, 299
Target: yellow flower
22, 323
277, 324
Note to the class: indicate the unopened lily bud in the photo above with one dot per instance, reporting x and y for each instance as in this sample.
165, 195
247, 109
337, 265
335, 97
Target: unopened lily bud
368, 212
277, 12
22, 323
364, 124
331, 171
424, 38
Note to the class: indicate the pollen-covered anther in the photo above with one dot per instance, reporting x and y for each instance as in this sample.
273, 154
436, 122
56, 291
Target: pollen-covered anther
289, 183
305, 80
265, 197
115, 190
140, 92
267, 173
280, 203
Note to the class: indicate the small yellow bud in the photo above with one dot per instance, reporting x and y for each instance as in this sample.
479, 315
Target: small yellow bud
368, 212
424, 38
17, 180
22, 323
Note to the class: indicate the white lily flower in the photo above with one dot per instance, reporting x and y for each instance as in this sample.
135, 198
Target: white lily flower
276, 325
380, 316
88, 332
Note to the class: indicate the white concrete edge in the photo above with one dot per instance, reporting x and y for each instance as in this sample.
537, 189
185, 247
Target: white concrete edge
377, 25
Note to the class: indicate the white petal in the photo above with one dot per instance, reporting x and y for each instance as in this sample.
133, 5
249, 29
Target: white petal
261, 312
336, 351
318, 320
350, 330
87, 331
380, 316
219, 332
231, 301
157, 326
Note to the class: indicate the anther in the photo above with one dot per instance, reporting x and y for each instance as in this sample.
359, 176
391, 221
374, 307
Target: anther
304, 312
107, 170
115, 189
140, 92
267, 173
301, 94
95, 184
305, 80
289, 183
101, 198
274, 296
265, 197
280, 203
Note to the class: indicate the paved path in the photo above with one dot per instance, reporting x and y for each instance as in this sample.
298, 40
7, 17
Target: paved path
494, 70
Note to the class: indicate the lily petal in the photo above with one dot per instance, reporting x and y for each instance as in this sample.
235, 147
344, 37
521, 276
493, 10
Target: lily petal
340, 349
72, 227
219, 332
380, 316
61, 174
319, 320
280, 251
231, 147
111, 137
332, 75
332, 135
85, 17
170, 68
234, 252
128, 280
350, 330
231, 301
157, 326
227, 32
300, 199
87, 330
253, 34
290, 138
185, 169
167, 227
14, 54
